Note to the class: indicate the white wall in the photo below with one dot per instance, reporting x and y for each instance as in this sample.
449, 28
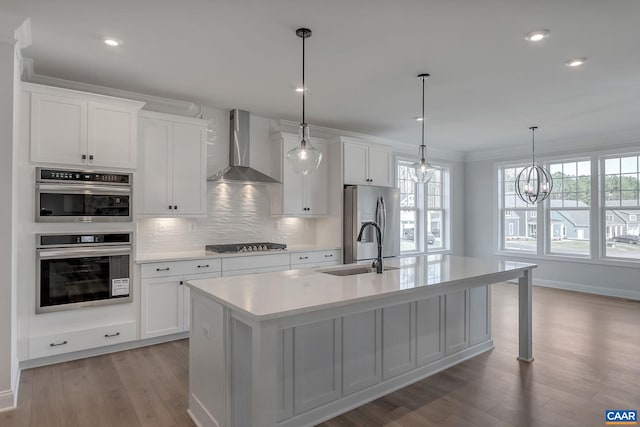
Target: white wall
8, 140
480, 220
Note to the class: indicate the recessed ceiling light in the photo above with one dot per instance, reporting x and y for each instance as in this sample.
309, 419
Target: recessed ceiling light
576, 62
110, 41
538, 35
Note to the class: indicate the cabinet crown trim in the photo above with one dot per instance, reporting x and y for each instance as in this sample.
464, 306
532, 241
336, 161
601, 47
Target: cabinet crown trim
70, 93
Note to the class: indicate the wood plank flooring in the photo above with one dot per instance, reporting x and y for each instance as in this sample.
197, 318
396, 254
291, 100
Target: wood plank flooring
587, 359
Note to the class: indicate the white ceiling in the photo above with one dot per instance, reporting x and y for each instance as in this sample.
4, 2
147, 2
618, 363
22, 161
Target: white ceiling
488, 84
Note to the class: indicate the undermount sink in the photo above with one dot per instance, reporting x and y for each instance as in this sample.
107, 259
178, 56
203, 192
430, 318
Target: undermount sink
354, 270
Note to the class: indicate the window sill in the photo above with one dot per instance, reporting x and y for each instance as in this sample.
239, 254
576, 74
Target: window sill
429, 252
573, 259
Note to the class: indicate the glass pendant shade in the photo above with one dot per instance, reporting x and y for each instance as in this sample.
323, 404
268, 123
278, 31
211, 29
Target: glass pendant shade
421, 171
534, 183
304, 159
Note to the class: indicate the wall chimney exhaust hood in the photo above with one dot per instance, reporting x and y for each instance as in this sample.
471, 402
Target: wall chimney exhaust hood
239, 144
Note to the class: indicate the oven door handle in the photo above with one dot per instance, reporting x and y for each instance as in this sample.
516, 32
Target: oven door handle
83, 189
77, 253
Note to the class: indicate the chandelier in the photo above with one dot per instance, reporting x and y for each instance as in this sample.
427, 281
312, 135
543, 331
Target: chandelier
534, 183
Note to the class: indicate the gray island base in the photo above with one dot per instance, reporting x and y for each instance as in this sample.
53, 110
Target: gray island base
298, 347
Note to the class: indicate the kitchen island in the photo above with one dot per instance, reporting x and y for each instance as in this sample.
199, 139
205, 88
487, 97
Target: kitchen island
298, 347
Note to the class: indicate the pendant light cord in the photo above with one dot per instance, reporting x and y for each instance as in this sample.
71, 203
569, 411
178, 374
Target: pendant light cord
533, 145
423, 118
304, 88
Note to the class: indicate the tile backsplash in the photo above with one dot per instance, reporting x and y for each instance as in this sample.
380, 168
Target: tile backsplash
236, 213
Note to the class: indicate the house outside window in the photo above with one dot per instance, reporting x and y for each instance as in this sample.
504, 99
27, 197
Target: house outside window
424, 210
516, 216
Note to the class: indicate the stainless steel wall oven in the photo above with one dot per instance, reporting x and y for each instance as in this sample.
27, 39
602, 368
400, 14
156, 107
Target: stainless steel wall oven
82, 196
82, 270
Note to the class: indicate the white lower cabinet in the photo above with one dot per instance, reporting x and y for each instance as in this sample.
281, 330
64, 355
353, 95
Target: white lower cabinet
66, 342
361, 350
479, 322
165, 298
430, 329
456, 321
314, 259
398, 340
237, 266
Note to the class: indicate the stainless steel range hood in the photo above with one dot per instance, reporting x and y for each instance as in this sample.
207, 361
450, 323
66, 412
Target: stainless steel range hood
239, 143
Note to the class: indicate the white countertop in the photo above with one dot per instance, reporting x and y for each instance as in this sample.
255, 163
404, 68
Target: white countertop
200, 254
280, 294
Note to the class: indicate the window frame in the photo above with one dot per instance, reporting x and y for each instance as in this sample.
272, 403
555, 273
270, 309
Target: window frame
597, 209
423, 209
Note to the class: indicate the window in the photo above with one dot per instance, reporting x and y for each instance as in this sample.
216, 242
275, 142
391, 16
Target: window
621, 207
518, 219
569, 208
423, 210
585, 211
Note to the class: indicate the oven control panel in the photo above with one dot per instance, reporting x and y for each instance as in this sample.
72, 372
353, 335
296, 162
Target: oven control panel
48, 175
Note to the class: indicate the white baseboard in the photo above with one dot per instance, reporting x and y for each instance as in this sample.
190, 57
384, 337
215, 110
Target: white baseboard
598, 290
7, 400
66, 357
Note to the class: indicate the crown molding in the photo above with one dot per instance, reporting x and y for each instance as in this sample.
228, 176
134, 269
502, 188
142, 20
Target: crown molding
15, 28
399, 147
615, 140
152, 103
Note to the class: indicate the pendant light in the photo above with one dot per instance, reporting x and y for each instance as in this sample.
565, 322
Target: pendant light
422, 171
534, 183
304, 159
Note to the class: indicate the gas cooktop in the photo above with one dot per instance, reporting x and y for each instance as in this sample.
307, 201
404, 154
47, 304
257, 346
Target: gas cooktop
245, 247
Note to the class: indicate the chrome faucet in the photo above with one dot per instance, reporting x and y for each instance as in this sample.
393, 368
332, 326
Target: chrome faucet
377, 264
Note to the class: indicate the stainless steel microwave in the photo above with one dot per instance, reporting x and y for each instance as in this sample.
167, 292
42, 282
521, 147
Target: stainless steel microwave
82, 196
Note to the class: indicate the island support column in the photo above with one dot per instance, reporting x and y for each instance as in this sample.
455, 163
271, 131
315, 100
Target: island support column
525, 353
264, 374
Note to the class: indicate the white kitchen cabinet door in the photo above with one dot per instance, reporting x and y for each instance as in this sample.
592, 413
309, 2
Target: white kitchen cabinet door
380, 167
398, 340
58, 129
155, 139
173, 164
189, 169
186, 297
456, 321
479, 321
355, 163
361, 350
112, 140
299, 195
430, 329
316, 186
162, 306
316, 362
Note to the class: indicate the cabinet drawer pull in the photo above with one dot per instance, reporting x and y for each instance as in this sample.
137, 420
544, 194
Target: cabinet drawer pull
170, 207
112, 335
163, 269
84, 157
91, 157
304, 257
328, 255
54, 344
175, 207
204, 266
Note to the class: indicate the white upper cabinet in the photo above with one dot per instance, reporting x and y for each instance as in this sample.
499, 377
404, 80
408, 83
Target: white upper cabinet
173, 167
82, 129
298, 195
366, 164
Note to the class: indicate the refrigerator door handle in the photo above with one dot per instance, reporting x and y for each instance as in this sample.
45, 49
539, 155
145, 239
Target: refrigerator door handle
381, 216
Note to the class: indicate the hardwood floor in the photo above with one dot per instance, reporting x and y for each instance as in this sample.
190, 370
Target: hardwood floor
587, 359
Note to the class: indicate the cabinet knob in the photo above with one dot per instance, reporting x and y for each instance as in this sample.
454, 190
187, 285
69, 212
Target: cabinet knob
182, 282
170, 207
175, 207
84, 157
112, 335
54, 344
91, 157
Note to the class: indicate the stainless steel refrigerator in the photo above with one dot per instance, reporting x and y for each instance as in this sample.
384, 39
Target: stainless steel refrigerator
366, 203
